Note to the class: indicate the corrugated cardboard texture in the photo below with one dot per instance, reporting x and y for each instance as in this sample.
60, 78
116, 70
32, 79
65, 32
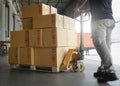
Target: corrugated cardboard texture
26, 56
47, 21
35, 38
35, 10
66, 22
19, 38
72, 24
27, 23
54, 37
72, 38
49, 56
53, 10
13, 57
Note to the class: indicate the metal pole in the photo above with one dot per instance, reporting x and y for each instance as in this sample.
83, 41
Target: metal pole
81, 37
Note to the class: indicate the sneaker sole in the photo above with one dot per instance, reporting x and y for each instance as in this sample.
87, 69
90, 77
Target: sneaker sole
104, 81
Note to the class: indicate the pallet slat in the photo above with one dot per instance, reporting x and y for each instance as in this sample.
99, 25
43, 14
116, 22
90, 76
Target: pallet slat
35, 68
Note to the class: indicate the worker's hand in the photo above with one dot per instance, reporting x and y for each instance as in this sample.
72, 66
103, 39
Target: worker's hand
77, 10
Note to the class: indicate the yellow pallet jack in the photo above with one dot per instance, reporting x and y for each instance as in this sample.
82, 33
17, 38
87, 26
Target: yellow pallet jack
74, 57
70, 61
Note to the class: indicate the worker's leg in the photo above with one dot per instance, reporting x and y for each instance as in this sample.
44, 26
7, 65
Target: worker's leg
110, 25
99, 34
108, 38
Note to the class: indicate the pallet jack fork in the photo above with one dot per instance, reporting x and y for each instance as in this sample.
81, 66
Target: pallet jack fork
73, 57
70, 61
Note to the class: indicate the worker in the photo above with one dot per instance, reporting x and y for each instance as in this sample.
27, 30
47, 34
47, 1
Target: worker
102, 24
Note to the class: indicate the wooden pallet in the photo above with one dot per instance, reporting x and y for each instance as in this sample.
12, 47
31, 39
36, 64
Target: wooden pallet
35, 68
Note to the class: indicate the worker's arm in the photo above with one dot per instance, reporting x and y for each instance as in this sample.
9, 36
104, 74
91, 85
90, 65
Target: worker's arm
79, 5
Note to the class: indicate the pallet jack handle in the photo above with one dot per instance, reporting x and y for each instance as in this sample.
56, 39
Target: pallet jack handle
81, 49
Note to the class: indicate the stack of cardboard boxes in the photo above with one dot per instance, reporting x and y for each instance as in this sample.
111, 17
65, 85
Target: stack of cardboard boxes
45, 38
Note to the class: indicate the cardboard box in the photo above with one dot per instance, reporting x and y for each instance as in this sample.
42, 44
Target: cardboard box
13, 56
54, 37
66, 22
72, 38
35, 10
47, 21
49, 56
35, 38
53, 10
72, 24
26, 56
19, 38
27, 23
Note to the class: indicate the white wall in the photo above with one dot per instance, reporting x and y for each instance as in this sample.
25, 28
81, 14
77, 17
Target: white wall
0, 16
4, 21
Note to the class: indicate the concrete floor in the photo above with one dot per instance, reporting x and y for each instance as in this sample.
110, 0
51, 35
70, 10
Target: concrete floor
10, 77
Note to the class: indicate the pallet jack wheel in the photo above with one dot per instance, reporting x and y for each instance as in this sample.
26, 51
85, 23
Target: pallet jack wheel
81, 66
75, 67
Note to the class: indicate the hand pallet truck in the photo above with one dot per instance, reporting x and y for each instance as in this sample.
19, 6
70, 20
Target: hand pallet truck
74, 57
